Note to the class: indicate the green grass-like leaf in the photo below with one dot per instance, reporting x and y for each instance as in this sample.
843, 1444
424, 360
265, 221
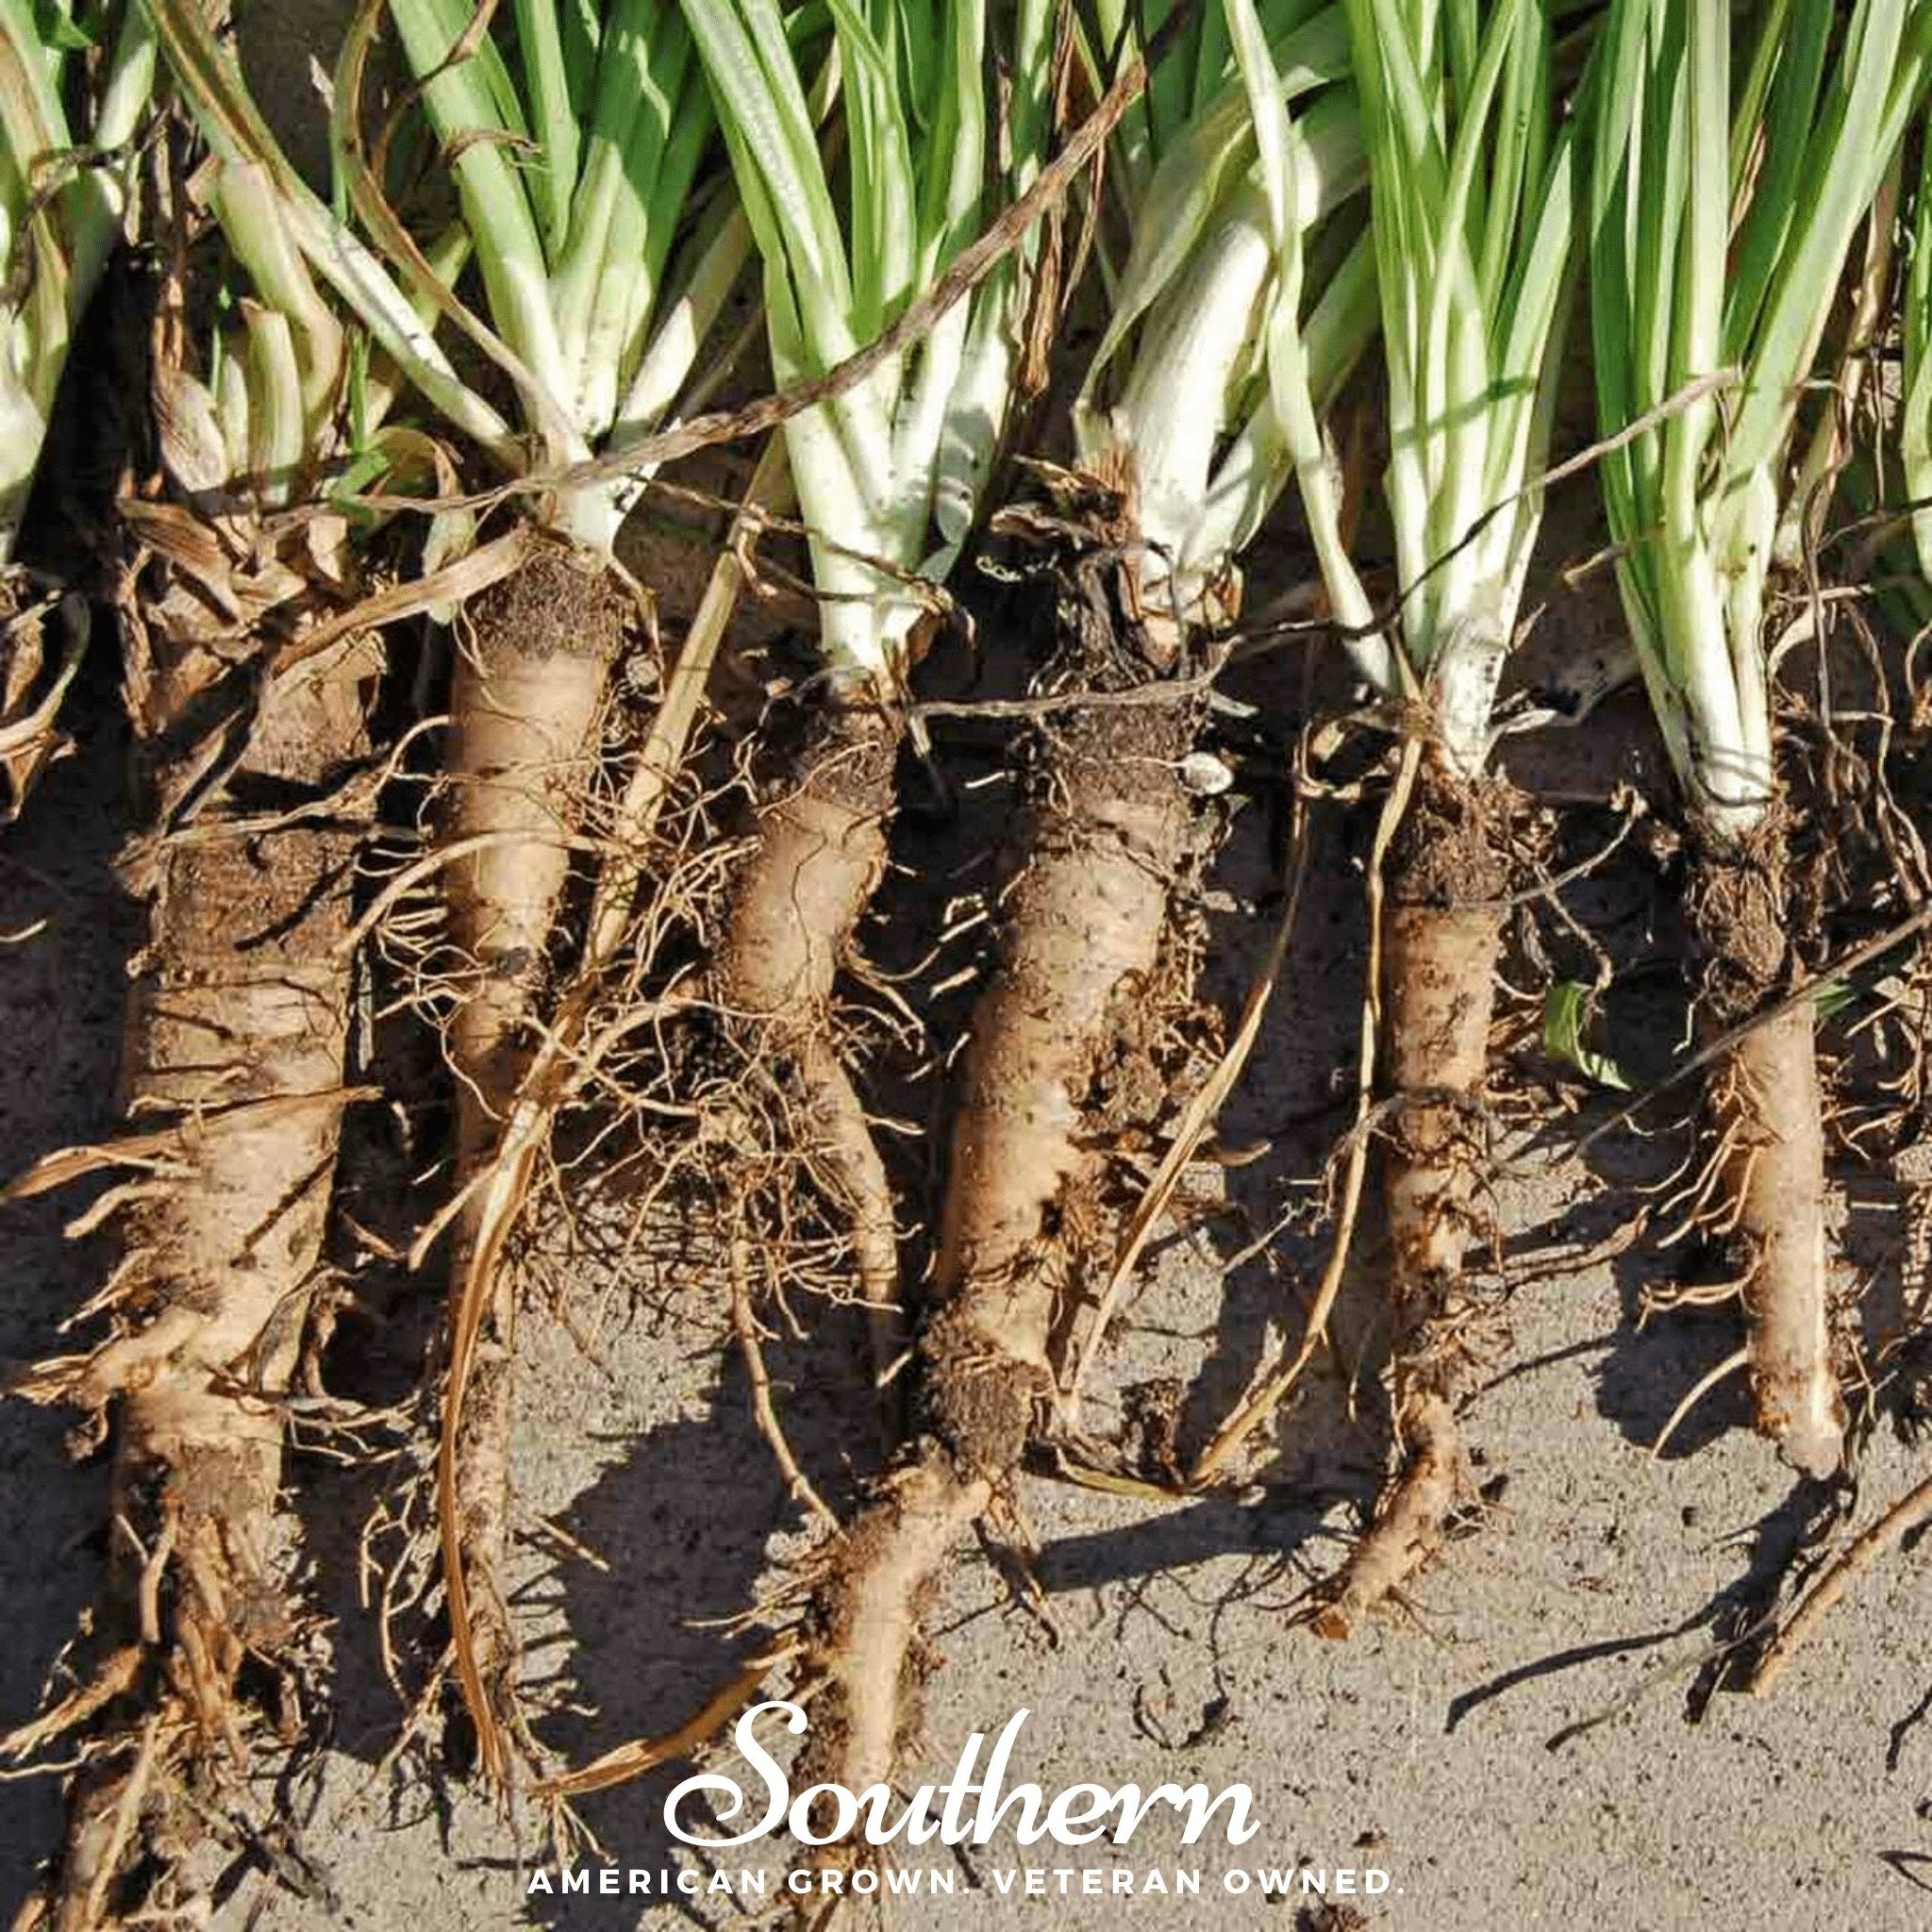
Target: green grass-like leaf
1725, 195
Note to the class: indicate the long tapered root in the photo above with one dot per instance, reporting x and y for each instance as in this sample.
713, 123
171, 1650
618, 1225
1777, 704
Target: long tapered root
1084, 930
1766, 1102
535, 655
1765, 1106
794, 914
237, 1028
1441, 942
867, 1619
1408, 1529
1877, 1540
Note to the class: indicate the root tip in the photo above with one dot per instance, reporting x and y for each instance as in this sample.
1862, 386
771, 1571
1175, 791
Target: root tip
1814, 1449
1807, 1425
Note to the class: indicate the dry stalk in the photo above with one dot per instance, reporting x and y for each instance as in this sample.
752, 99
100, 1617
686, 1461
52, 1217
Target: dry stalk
1886, 1535
1274, 1387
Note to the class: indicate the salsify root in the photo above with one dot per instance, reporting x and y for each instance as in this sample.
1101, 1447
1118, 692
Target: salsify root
1442, 934
237, 1028
533, 658
1083, 935
528, 694
1768, 1097
794, 911
1764, 1102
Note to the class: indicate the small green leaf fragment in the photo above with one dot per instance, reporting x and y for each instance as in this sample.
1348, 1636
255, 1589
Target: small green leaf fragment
1568, 1009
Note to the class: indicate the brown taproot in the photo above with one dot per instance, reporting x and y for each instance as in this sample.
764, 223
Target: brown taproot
795, 910
535, 653
235, 1036
1084, 927
1763, 1096
1440, 946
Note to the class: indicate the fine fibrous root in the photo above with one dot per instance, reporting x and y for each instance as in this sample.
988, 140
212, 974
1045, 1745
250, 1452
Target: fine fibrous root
1764, 1102
1440, 945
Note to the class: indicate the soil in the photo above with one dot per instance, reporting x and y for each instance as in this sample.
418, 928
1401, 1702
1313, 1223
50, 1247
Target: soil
1737, 904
